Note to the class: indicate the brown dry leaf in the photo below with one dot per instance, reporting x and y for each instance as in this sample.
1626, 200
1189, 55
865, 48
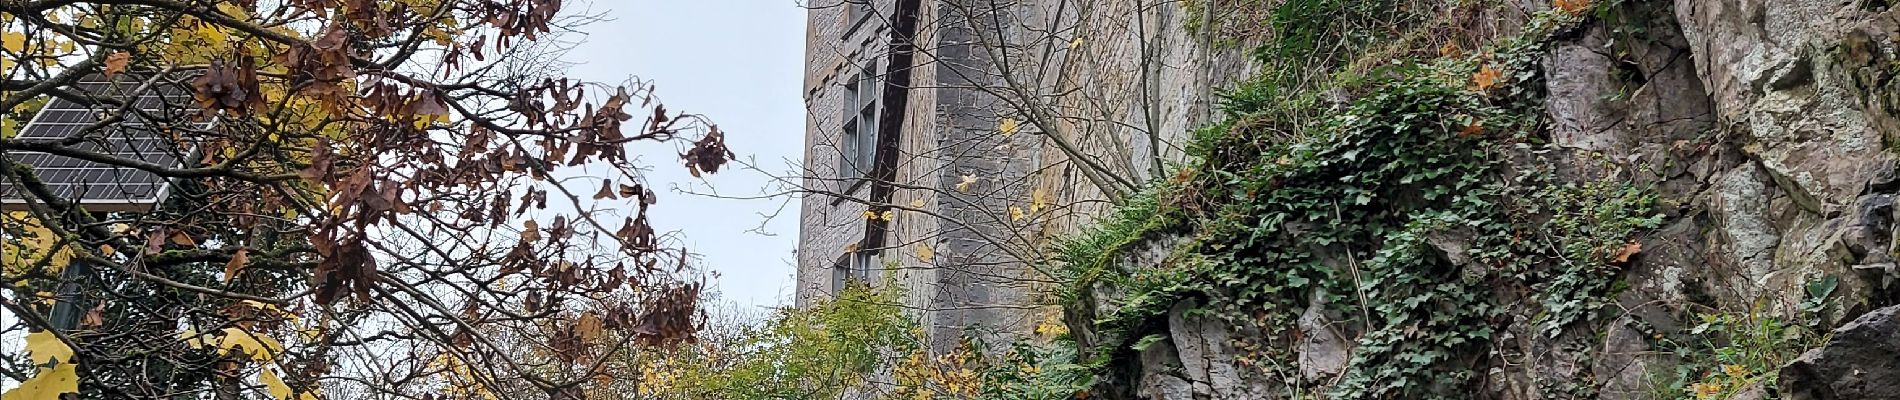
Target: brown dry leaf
588, 327
237, 263
1450, 49
116, 62
1573, 7
530, 231
181, 238
1623, 256
94, 317
1486, 78
1474, 129
606, 190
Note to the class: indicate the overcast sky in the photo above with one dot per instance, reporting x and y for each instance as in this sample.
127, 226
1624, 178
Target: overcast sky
738, 62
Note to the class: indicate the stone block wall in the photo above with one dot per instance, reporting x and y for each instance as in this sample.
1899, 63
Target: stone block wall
1114, 70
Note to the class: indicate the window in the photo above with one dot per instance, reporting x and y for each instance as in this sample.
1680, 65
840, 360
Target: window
855, 266
855, 13
860, 126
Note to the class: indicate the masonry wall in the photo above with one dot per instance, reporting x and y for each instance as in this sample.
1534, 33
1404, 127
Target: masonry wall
830, 221
1116, 70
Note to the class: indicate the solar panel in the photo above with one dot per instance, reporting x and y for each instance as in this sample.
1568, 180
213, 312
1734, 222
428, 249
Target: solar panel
107, 126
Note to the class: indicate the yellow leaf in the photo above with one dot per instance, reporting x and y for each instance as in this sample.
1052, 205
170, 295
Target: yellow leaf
13, 41
1735, 371
48, 383
42, 347
1075, 43
1038, 200
870, 215
234, 10
964, 186
192, 338
441, 37
275, 385
258, 346
1008, 126
1016, 213
924, 252
32, 247
1706, 390
887, 215
918, 203
278, 389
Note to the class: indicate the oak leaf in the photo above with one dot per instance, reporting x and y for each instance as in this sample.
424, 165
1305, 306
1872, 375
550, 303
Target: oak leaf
1623, 256
1486, 78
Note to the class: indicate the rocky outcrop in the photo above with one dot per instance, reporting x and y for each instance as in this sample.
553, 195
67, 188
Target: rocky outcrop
1861, 362
1764, 125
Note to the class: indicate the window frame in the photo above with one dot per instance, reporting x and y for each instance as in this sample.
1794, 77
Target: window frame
853, 266
860, 133
856, 14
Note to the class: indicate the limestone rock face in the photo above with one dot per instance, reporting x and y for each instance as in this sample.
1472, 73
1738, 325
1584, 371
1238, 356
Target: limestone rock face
1861, 362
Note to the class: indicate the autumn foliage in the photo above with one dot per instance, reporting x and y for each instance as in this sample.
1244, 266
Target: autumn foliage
382, 198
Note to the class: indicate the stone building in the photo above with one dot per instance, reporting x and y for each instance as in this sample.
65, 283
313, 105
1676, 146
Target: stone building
940, 166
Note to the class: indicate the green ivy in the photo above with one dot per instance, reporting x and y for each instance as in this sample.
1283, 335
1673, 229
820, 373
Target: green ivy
1398, 212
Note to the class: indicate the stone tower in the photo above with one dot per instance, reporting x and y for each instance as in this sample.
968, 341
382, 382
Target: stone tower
938, 137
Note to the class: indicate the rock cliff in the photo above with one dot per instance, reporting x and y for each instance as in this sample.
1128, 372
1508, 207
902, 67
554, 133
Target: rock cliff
1664, 199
